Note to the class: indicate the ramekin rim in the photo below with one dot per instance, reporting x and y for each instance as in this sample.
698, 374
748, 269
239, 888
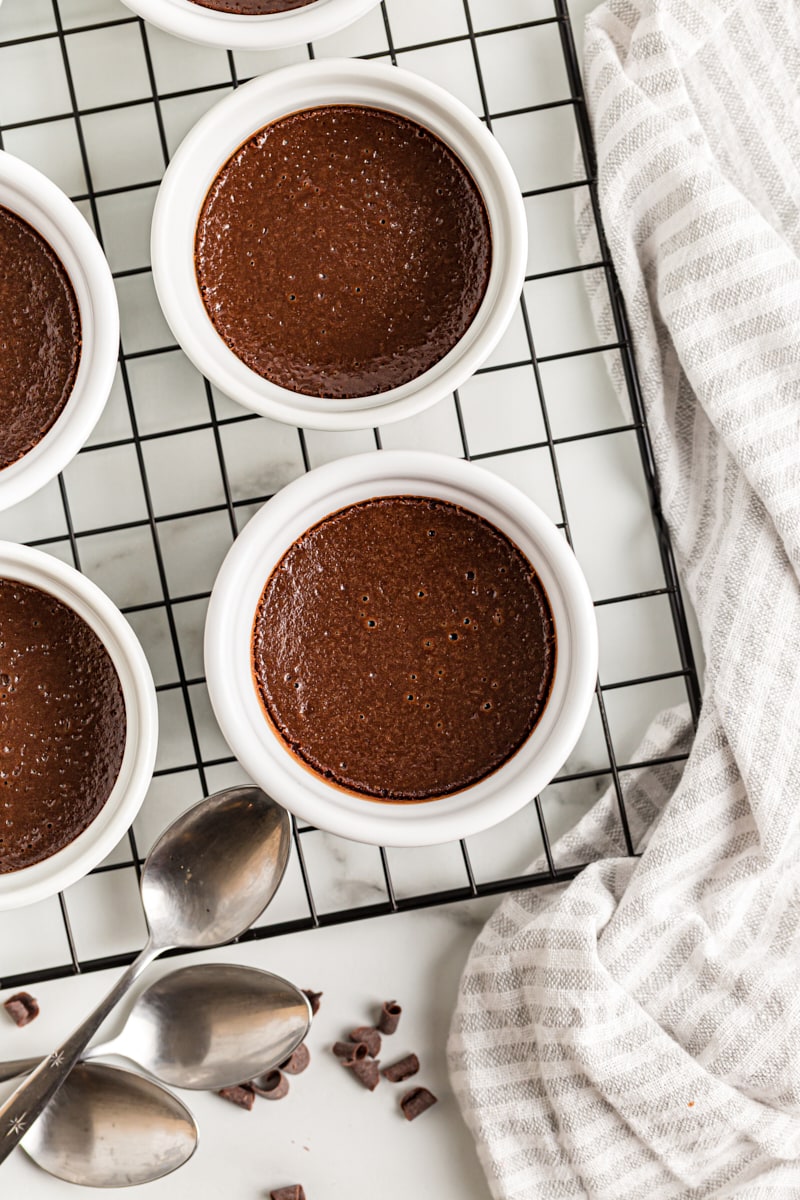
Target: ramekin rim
229, 674
234, 31
204, 150
37, 194
44, 879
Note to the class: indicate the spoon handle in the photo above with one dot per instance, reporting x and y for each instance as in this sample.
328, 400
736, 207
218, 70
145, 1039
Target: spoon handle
13, 1067
33, 1095
18, 1066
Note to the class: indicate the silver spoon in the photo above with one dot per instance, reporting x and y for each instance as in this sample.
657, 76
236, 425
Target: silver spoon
111, 1128
206, 1026
207, 878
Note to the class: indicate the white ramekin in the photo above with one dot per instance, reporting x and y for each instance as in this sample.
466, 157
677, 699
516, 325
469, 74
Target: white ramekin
38, 201
258, 745
31, 884
225, 127
236, 32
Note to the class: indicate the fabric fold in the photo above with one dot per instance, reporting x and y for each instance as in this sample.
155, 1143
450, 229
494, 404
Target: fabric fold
636, 1033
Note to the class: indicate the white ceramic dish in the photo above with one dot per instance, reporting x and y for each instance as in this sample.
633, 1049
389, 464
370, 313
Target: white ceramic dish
38, 201
225, 127
34, 883
253, 738
237, 32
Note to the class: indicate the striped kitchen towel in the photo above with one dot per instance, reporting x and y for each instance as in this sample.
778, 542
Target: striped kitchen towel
635, 1035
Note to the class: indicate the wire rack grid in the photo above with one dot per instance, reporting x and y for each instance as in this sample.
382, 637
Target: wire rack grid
174, 469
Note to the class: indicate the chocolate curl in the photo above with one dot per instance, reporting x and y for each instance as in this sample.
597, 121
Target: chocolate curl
390, 1017
22, 1007
293, 1192
369, 1035
404, 1068
365, 1071
416, 1102
297, 1061
241, 1094
272, 1085
313, 999
351, 1051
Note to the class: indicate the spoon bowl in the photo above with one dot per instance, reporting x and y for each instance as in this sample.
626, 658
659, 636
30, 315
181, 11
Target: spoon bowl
215, 869
204, 1027
213, 1025
207, 878
108, 1127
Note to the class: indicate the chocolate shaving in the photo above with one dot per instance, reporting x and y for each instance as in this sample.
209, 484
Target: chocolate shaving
297, 1061
404, 1068
369, 1035
242, 1094
293, 1192
415, 1102
390, 1017
313, 999
272, 1085
352, 1051
22, 1007
365, 1071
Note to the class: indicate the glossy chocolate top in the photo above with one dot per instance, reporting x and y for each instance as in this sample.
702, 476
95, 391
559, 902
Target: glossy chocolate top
62, 725
343, 251
40, 337
404, 648
253, 8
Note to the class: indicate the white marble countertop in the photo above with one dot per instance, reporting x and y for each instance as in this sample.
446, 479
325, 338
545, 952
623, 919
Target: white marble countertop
330, 1134
336, 1139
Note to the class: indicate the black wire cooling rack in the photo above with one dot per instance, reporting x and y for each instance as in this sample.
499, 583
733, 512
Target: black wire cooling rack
167, 612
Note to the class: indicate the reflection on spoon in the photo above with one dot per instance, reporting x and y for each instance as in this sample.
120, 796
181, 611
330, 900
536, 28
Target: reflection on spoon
206, 1026
207, 878
107, 1127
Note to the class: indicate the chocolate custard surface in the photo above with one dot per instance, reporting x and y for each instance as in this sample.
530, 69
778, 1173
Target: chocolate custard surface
40, 337
62, 725
253, 8
404, 648
342, 251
